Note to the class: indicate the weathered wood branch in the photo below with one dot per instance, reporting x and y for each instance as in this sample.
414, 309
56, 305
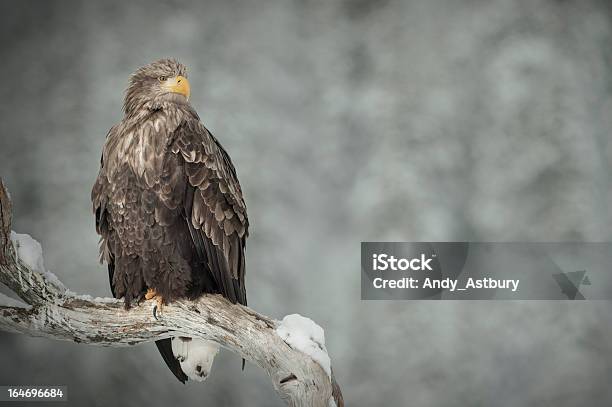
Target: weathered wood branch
56, 313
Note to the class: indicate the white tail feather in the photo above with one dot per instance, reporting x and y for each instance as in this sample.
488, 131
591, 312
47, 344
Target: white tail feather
195, 355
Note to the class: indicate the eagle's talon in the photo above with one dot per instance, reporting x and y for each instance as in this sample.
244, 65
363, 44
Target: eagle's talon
157, 307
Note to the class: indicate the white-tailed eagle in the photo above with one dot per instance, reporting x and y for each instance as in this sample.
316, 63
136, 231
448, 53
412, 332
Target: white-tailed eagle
169, 208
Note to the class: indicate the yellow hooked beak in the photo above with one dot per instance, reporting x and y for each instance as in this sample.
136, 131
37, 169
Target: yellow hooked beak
178, 84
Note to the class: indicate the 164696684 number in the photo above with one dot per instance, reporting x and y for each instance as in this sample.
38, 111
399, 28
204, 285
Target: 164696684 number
33, 393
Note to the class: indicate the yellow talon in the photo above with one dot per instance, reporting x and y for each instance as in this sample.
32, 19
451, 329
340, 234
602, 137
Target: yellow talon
150, 294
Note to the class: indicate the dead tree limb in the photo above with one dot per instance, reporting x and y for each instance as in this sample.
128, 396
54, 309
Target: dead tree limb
54, 312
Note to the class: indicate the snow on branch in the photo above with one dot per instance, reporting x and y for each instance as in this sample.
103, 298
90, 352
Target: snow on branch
292, 352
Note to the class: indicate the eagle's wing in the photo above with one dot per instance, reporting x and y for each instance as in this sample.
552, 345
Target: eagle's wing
214, 207
99, 199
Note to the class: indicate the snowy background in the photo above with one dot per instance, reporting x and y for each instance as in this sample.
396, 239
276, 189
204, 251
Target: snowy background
347, 121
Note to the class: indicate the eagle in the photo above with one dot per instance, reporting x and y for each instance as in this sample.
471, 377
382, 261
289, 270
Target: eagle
169, 209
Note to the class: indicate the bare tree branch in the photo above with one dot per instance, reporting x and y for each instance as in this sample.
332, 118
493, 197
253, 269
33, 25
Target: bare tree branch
56, 313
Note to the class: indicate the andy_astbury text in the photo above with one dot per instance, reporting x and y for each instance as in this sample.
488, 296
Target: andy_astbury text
447, 283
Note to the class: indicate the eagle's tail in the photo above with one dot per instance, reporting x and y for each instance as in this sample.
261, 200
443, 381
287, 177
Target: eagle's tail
188, 358
195, 356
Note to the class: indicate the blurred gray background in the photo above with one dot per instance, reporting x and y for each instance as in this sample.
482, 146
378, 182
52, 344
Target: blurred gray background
347, 121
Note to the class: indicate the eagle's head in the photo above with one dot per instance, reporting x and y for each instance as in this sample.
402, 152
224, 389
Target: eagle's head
162, 80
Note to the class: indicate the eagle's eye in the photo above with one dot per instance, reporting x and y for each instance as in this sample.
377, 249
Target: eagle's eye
163, 78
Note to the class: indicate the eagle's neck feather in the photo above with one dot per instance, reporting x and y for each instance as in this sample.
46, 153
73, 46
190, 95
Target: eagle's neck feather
141, 140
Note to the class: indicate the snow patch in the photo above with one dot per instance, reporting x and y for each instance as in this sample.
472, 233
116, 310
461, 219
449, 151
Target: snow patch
304, 335
87, 297
29, 251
